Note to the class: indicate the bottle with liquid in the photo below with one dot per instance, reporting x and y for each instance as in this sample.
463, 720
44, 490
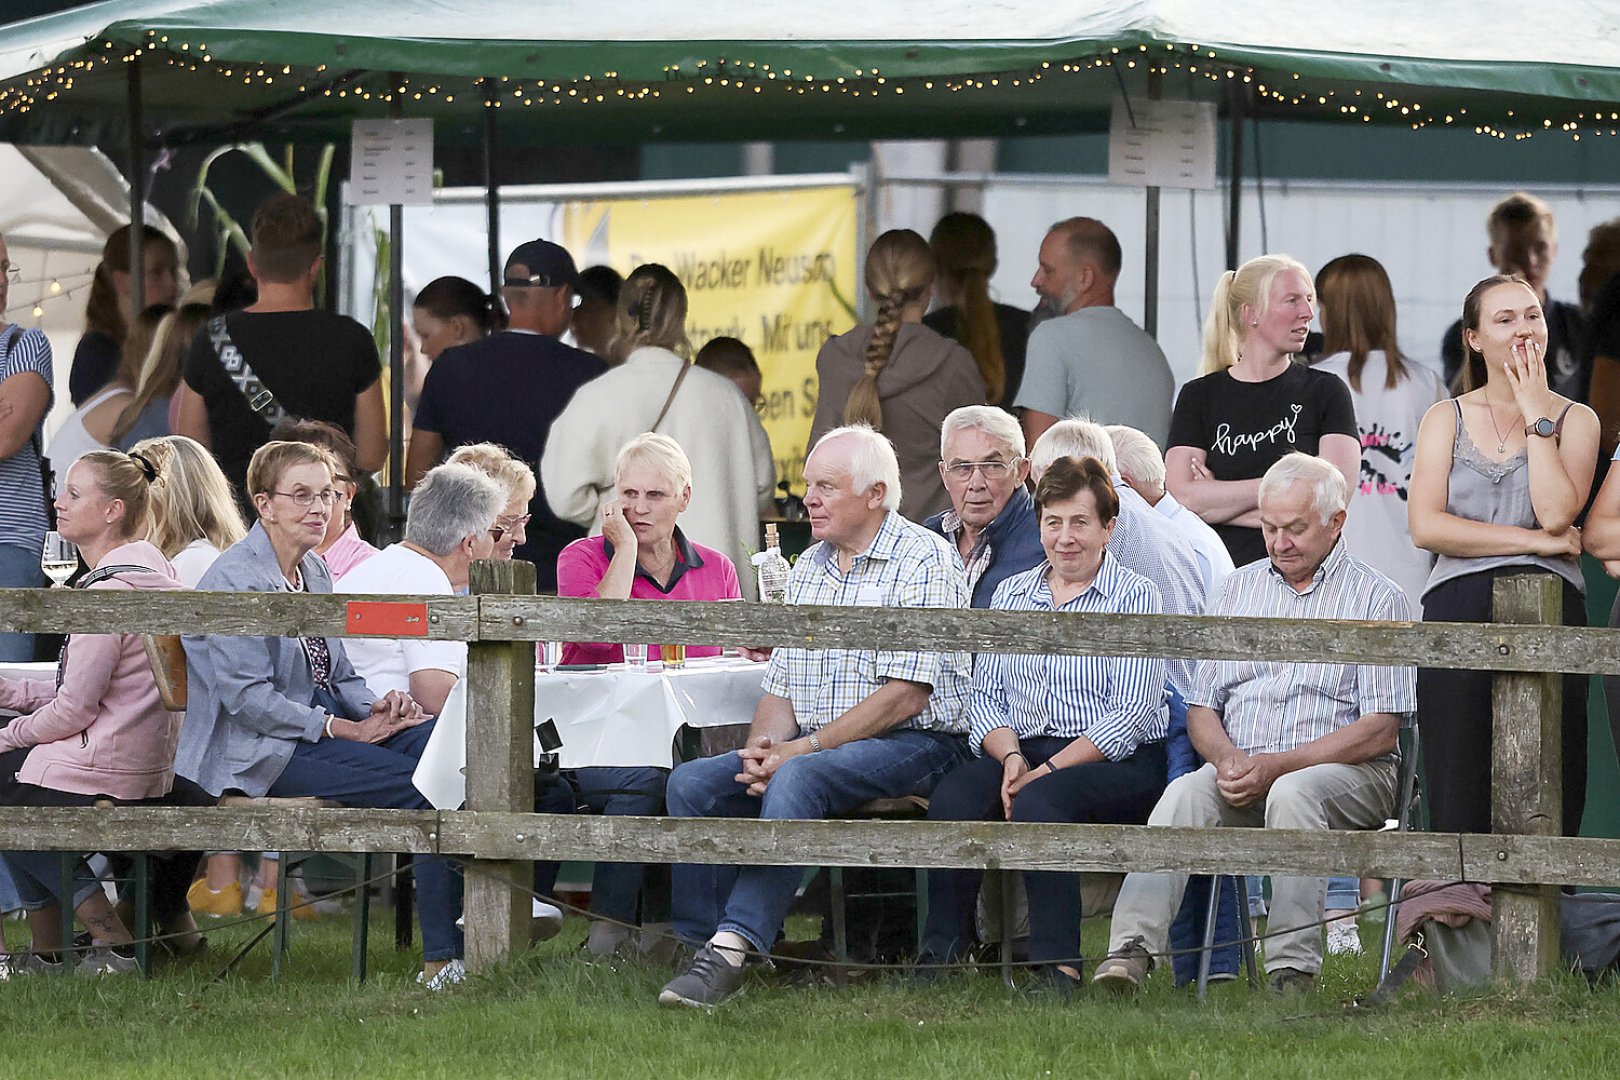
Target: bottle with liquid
772, 570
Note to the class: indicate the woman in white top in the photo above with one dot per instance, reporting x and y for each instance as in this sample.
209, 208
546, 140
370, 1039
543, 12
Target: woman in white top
194, 516
1391, 394
91, 425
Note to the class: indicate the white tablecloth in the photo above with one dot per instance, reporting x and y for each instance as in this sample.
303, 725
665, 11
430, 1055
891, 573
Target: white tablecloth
12, 669
608, 717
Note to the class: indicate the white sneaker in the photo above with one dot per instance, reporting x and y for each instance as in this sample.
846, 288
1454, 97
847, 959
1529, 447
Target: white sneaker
101, 960
547, 921
1342, 938
452, 973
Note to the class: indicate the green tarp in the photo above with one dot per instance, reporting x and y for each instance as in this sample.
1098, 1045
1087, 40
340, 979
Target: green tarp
731, 69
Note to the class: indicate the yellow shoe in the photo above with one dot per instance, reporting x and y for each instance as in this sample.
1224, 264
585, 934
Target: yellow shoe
205, 901
301, 909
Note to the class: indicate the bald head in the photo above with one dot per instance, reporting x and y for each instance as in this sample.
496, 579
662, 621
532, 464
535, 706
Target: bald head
1079, 263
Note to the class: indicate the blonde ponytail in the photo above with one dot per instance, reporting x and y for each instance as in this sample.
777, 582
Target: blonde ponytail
1249, 284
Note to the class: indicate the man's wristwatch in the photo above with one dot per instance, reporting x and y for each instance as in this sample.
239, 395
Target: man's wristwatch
1543, 427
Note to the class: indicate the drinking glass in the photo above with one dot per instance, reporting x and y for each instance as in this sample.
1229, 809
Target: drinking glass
674, 656
59, 558
548, 654
635, 656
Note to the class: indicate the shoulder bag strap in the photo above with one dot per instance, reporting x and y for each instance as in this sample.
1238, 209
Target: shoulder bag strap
254, 392
673, 390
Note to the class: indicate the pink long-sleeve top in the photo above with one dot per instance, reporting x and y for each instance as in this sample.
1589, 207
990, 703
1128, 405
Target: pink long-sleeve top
104, 731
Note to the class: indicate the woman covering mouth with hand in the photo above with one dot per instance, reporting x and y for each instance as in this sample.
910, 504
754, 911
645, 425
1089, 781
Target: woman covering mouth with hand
1254, 402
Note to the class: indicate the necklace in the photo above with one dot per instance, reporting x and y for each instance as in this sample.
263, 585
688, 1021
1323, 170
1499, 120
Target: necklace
1501, 439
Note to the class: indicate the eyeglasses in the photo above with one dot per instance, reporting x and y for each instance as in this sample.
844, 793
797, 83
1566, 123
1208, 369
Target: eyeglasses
512, 524
11, 272
992, 470
496, 533
305, 499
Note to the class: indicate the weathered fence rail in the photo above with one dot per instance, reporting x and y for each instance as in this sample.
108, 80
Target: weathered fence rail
501, 622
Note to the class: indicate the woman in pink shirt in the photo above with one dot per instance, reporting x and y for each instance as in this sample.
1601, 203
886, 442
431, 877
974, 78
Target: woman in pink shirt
99, 729
641, 555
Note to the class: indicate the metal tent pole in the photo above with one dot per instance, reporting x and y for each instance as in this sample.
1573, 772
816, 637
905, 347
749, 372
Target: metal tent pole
1150, 264
137, 192
1234, 176
492, 190
396, 345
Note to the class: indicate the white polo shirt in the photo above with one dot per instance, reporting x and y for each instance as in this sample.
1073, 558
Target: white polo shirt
386, 663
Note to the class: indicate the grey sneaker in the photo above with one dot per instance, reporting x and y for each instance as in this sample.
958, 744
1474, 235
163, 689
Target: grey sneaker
20, 965
101, 960
1125, 969
1287, 980
709, 981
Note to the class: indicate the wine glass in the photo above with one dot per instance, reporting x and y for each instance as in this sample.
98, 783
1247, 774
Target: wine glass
59, 558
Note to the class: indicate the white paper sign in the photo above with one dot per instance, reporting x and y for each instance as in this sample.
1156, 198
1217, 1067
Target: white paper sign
1162, 144
391, 162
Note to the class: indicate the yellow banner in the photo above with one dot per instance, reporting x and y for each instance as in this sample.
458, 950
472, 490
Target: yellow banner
773, 268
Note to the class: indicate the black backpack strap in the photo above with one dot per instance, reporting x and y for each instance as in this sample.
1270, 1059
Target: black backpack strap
102, 573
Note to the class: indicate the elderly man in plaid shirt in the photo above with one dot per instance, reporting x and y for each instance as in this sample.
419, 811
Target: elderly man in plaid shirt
837, 727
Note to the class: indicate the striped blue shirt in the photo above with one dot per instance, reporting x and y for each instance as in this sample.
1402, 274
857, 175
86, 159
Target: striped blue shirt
1117, 702
1269, 707
22, 500
1147, 542
905, 566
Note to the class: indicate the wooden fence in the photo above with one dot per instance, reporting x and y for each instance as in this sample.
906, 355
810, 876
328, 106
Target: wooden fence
1526, 858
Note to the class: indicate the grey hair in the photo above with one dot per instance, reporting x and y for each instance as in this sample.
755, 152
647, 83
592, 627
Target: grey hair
1329, 491
449, 504
999, 424
660, 452
1138, 455
1077, 437
871, 460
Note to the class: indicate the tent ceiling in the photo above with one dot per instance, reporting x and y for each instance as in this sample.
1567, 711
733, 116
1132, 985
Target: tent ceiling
628, 72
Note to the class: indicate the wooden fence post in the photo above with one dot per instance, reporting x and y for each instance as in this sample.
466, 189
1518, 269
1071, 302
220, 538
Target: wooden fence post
1526, 781
500, 770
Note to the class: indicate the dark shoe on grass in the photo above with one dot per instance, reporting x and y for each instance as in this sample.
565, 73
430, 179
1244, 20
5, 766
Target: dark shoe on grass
1289, 980
708, 982
1052, 982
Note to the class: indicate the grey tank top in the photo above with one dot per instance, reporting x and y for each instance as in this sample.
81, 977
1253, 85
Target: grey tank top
1497, 492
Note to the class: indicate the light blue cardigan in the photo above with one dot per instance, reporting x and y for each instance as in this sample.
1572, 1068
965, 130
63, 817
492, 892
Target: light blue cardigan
248, 698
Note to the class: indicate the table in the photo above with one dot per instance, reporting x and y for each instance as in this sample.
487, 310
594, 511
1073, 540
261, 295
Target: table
609, 716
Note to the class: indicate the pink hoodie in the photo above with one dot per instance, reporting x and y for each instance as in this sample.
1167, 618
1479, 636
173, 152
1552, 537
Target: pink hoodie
105, 731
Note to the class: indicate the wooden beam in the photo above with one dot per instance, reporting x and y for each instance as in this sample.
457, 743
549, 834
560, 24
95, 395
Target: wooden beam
1483, 647
1526, 782
74, 611
500, 770
505, 835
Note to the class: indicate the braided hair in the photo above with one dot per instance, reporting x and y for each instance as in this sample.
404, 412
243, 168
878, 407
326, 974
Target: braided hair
899, 273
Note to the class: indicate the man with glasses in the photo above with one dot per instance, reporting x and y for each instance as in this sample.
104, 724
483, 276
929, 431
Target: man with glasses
509, 387
991, 521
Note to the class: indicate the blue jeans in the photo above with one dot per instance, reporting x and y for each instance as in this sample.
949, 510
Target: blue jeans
616, 888
1100, 792
19, 569
1187, 932
1344, 894
754, 900
363, 774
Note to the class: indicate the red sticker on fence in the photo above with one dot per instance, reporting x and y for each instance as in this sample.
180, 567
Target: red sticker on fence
381, 617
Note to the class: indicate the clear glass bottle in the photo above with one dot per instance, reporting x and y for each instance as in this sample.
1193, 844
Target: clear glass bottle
772, 570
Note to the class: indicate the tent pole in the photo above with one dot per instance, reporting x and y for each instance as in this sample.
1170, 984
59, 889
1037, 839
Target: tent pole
137, 193
492, 190
1234, 175
1150, 264
396, 345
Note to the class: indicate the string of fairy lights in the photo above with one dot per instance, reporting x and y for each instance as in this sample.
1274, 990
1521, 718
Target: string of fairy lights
47, 290
730, 75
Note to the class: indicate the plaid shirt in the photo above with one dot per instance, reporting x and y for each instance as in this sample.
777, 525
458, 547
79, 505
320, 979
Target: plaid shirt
1269, 707
982, 555
906, 566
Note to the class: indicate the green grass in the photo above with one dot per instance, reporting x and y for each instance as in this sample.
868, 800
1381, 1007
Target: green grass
548, 1015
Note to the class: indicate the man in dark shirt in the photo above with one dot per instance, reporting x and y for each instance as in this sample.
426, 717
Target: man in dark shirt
1524, 241
509, 387
249, 370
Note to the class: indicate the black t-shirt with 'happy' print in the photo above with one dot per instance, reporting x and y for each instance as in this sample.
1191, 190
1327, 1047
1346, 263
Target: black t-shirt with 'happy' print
1245, 427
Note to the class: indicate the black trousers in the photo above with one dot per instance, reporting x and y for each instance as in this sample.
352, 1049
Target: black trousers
172, 871
1454, 715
